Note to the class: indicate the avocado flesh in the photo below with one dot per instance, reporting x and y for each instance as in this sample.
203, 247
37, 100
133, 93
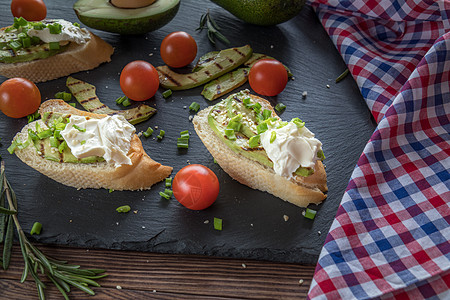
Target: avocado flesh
262, 12
225, 83
102, 15
28, 54
225, 61
205, 60
240, 145
86, 96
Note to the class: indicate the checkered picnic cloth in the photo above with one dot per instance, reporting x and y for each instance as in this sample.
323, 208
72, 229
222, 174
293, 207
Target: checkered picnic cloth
390, 238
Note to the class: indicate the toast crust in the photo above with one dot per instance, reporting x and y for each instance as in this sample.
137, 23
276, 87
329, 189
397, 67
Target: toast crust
300, 191
140, 175
78, 57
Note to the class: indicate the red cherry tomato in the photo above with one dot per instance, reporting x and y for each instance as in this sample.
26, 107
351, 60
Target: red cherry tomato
139, 80
178, 49
268, 77
30, 10
19, 97
196, 187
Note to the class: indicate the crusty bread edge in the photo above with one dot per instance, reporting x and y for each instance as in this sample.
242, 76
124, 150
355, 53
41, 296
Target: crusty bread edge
141, 175
252, 173
78, 57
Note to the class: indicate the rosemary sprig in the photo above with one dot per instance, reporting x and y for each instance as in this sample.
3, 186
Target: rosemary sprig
207, 22
342, 76
61, 274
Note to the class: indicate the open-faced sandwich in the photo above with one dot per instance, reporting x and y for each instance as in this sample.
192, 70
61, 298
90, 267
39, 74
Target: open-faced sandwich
49, 49
255, 147
86, 150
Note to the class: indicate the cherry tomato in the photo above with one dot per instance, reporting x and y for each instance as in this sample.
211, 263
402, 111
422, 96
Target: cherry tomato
178, 49
196, 187
268, 77
19, 97
139, 80
30, 10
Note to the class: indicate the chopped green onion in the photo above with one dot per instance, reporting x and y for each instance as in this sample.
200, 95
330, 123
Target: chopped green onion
253, 142
20, 22
167, 93
246, 101
217, 223
256, 107
63, 96
55, 28
273, 136
342, 76
22, 35
298, 122
54, 142
123, 209
161, 134
236, 118
53, 45
168, 182
35, 40
121, 99
266, 114
57, 134
79, 128
36, 229
73, 104
229, 132
310, 213
15, 45
45, 134
182, 143
164, 195
26, 42
215, 161
30, 118
236, 126
76, 24
83, 142
280, 107
148, 132
194, 106
32, 135
38, 26
110, 191
168, 192
184, 134
126, 102
13, 147
321, 155
62, 147
261, 128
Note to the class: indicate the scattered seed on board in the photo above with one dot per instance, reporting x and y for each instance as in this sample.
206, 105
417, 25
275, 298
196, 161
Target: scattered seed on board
304, 94
286, 218
300, 282
118, 287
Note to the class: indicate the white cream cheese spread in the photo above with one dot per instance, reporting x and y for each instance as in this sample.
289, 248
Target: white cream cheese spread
69, 32
292, 147
108, 137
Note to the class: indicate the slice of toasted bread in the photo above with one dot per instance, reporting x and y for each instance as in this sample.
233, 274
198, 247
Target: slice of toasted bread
78, 57
300, 190
140, 175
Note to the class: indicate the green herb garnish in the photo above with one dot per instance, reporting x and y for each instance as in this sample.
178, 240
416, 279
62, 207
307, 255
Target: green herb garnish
194, 106
217, 223
123, 209
273, 136
58, 272
164, 195
310, 213
36, 229
63, 96
280, 107
207, 22
148, 132
78, 128
183, 143
342, 76
254, 141
167, 93
161, 134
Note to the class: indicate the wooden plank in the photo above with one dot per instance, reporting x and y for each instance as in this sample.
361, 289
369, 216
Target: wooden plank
170, 276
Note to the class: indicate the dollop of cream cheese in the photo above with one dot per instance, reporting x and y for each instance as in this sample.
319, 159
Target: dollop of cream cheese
69, 32
108, 137
293, 147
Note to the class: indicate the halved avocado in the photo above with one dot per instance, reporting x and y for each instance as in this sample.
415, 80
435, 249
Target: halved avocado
102, 15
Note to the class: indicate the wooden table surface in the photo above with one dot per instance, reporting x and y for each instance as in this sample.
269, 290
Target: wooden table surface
162, 276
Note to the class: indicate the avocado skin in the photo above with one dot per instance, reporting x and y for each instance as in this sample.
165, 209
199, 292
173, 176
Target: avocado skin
262, 12
126, 24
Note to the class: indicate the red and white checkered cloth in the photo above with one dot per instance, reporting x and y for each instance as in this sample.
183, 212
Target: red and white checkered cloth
390, 238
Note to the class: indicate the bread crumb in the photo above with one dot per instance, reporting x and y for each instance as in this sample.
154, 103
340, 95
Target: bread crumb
191, 117
244, 266
185, 107
154, 291
118, 287
303, 213
328, 86
304, 94
300, 282
251, 224
206, 222
135, 211
70, 221
156, 127
271, 46
117, 223
319, 232
143, 227
150, 54
286, 218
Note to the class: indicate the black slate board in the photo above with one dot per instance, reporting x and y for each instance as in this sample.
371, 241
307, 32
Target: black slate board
253, 221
